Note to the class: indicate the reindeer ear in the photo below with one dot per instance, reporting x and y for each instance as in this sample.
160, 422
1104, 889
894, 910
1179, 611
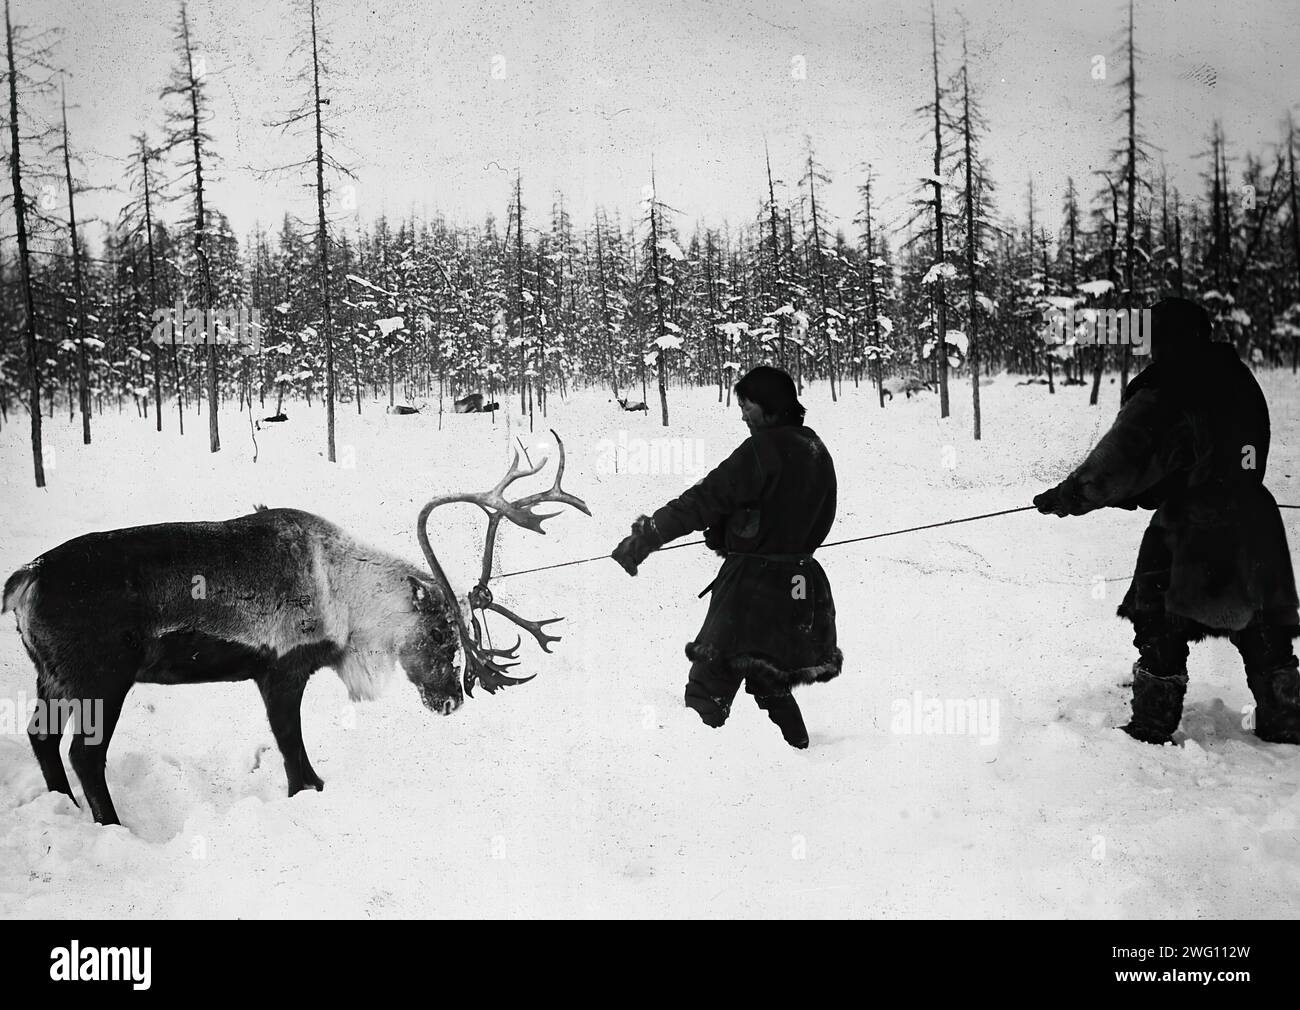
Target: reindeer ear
422, 595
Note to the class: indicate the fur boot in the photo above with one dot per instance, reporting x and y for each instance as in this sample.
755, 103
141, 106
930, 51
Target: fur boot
783, 710
1277, 703
1157, 705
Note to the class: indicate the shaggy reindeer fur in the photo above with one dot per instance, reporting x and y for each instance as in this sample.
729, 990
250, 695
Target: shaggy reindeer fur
269, 597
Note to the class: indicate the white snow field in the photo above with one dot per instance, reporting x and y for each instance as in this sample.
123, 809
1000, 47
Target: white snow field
592, 791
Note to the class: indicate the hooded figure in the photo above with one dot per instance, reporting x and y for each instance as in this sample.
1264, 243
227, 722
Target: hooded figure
1191, 441
765, 509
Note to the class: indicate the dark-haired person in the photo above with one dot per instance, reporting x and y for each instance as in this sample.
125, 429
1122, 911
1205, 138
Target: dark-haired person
1191, 441
765, 509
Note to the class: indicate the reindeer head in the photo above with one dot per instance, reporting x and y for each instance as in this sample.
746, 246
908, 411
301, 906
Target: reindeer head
484, 665
428, 651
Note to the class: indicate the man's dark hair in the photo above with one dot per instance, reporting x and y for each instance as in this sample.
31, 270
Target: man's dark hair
1178, 326
773, 390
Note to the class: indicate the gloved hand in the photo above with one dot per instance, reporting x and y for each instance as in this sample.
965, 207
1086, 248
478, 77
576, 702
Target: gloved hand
645, 528
1062, 500
631, 552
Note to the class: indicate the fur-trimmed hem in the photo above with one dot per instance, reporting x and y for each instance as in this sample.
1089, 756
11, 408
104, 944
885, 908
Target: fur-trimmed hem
1193, 631
1197, 631
746, 664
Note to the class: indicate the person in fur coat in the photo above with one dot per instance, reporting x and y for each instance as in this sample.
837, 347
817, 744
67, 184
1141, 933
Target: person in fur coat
1191, 441
765, 509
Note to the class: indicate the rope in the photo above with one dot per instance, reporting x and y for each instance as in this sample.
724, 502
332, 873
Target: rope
835, 543
931, 526
583, 561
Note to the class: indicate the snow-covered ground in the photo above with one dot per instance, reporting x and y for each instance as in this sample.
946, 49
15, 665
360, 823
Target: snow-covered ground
591, 790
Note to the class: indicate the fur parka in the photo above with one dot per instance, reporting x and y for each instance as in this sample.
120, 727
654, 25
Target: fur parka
1191, 441
765, 508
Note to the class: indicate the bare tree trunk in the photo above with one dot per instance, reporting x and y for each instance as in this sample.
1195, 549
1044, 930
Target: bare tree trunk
519, 257
941, 334
711, 290
78, 287
604, 308
1048, 357
322, 243
1295, 230
778, 289
972, 243
821, 278
874, 298
539, 345
1099, 349
660, 329
24, 260
145, 155
200, 250
1126, 352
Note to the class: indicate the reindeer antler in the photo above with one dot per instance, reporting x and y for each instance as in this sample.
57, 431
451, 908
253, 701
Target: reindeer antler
481, 663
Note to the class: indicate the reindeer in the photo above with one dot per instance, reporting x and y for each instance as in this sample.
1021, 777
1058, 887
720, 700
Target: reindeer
473, 404
907, 385
629, 405
269, 597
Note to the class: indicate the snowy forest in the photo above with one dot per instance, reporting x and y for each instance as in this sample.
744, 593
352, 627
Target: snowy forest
278, 282
529, 303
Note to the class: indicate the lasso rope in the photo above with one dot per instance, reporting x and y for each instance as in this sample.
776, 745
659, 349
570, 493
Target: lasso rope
833, 543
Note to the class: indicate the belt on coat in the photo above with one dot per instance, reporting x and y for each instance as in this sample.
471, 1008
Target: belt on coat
789, 558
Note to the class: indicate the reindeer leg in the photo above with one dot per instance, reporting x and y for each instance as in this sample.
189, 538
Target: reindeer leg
89, 751
45, 732
282, 689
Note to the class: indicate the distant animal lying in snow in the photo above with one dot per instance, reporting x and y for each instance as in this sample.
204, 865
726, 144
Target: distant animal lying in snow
906, 385
277, 417
398, 408
473, 404
629, 405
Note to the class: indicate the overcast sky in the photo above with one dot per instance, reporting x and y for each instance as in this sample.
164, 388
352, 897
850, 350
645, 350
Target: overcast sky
440, 103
